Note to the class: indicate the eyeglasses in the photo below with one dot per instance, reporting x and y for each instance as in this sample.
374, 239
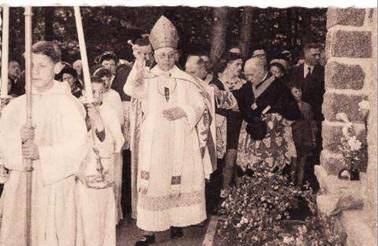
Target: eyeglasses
259, 55
164, 55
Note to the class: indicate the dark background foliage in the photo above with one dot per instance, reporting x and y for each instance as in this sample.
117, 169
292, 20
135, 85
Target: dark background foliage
109, 28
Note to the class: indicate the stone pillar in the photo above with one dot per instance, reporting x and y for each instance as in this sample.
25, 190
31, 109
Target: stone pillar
372, 171
350, 77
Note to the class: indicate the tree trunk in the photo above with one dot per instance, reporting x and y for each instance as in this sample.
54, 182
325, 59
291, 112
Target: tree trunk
307, 34
218, 35
246, 31
49, 21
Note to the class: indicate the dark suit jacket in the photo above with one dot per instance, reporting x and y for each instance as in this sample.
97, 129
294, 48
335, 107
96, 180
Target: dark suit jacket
312, 88
119, 81
17, 87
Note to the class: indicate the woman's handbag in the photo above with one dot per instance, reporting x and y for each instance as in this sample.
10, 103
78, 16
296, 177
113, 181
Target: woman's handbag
257, 128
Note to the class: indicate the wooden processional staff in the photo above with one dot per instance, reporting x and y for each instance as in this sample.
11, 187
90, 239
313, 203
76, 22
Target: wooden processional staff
5, 98
29, 123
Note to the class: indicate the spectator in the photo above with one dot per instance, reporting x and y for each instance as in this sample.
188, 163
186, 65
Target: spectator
69, 75
72, 52
78, 66
110, 96
228, 72
196, 66
261, 55
310, 78
304, 134
278, 68
208, 66
235, 50
266, 106
16, 79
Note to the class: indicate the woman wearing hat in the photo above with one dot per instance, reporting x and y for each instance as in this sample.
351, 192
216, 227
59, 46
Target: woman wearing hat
267, 107
69, 75
278, 68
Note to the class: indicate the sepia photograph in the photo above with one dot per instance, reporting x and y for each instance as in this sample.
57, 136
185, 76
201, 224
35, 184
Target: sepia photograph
207, 125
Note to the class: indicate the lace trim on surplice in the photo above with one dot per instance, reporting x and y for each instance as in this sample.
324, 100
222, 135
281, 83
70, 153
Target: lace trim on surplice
167, 202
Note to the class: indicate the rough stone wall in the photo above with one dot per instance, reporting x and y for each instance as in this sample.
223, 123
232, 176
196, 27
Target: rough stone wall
350, 77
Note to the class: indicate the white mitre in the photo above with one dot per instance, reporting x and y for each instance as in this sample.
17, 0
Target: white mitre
163, 34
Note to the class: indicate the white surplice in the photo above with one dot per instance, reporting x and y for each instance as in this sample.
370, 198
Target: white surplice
170, 163
97, 207
61, 137
112, 99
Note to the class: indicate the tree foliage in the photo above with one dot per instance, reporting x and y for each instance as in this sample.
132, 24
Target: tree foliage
109, 28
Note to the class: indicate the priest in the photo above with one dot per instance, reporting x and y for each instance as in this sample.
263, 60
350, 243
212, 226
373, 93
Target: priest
57, 145
172, 159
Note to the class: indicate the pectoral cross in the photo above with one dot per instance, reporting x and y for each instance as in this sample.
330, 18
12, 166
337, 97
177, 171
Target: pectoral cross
166, 93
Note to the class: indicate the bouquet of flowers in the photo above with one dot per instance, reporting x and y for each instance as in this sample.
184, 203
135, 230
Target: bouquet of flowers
353, 150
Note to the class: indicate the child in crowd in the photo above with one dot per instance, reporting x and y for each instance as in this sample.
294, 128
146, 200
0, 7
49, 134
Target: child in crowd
304, 132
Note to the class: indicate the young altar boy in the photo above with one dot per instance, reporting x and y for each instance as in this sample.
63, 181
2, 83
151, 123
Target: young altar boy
95, 195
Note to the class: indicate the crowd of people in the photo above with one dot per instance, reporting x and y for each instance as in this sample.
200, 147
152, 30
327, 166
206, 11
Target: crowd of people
190, 133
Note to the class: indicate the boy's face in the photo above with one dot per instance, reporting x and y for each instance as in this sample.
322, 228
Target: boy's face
106, 80
42, 71
98, 90
297, 93
111, 65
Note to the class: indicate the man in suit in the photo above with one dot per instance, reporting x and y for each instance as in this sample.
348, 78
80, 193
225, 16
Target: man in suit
261, 54
16, 79
310, 77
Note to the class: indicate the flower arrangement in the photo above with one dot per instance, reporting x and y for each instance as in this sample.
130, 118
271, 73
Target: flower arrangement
353, 150
257, 212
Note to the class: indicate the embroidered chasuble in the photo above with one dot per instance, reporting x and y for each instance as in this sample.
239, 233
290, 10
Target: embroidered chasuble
171, 166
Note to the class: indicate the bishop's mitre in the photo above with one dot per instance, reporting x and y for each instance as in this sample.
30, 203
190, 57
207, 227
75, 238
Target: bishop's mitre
164, 34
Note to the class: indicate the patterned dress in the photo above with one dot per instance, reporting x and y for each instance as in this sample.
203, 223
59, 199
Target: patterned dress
277, 148
274, 151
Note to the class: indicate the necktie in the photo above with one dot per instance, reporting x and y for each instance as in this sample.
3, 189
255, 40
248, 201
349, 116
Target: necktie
308, 72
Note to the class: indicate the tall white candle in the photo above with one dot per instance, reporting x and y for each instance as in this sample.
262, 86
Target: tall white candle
4, 52
83, 53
